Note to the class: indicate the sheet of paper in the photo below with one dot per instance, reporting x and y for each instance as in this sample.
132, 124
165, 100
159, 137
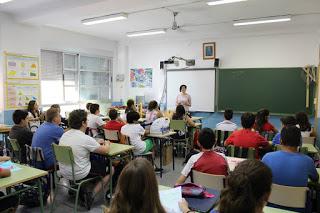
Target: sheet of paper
170, 199
9, 165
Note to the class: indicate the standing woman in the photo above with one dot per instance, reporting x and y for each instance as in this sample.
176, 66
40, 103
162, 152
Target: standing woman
33, 115
184, 98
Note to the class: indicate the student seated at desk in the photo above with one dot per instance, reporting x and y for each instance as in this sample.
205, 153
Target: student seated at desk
82, 145
304, 125
94, 120
262, 122
48, 133
130, 106
115, 123
9, 204
285, 121
246, 137
33, 115
227, 124
153, 112
289, 167
180, 114
64, 121
248, 189
207, 161
135, 131
21, 132
137, 190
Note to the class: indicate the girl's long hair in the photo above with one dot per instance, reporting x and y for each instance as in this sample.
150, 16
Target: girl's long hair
246, 186
303, 121
31, 109
137, 189
261, 119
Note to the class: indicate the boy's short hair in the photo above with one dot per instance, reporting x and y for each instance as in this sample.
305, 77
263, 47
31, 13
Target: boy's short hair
247, 120
132, 116
207, 138
291, 136
51, 114
76, 117
288, 121
228, 114
19, 115
94, 108
113, 114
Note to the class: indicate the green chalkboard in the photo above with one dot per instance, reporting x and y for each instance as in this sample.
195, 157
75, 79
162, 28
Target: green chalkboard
281, 90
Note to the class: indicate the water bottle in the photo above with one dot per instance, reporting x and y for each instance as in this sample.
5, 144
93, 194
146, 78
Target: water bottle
162, 130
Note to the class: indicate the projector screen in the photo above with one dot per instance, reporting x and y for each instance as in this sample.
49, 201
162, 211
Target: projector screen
200, 86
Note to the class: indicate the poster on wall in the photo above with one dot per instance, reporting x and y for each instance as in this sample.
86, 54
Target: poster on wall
22, 67
141, 78
19, 95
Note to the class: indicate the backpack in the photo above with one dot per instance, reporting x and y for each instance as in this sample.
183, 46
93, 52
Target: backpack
160, 125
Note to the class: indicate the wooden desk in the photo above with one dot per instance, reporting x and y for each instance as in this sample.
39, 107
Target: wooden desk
5, 129
160, 138
115, 150
233, 162
26, 173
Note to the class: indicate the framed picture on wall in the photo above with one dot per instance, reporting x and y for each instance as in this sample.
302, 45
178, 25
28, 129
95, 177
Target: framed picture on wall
209, 50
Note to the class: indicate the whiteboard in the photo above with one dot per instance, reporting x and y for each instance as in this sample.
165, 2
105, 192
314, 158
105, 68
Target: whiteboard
200, 86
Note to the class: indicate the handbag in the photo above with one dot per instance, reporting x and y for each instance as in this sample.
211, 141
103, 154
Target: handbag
191, 190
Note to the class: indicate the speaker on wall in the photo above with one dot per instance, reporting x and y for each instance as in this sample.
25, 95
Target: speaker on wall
216, 62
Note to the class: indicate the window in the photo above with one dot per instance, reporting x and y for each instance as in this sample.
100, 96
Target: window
70, 77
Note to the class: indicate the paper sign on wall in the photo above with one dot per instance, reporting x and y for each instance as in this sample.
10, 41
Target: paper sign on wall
141, 78
19, 95
22, 67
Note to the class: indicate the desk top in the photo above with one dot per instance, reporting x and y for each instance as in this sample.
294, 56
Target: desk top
268, 209
117, 148
26, 173
196, 118
164, 135
233, 162
311, 148
5, 128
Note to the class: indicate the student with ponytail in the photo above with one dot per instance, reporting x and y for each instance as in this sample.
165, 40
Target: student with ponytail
247, 191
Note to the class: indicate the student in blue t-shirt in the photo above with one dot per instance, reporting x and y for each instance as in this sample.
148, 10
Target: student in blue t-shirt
285, 121
47, 134
288, 166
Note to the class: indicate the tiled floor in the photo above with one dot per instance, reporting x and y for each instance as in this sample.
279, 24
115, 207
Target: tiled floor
65, 204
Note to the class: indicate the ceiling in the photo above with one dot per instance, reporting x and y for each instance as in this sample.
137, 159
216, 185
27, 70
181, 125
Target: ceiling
199, 19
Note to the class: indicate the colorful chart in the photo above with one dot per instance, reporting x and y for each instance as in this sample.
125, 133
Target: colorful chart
141, 78
22, 67
19, 95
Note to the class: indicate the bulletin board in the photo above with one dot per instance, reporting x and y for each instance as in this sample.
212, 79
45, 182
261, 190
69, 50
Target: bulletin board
22, 67
19, 95
141, 78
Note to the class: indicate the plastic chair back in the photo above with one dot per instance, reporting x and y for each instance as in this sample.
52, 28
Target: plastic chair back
288, 196
208, 180
112, 135
178, 125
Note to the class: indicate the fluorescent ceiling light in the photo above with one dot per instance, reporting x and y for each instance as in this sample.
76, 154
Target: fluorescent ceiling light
266, 20
219, 2
4, 1
146, 32
103, 19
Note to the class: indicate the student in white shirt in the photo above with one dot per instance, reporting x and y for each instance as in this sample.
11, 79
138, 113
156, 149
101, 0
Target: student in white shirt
227, 124
82, 145
153, 112
33, 115
94, 120
304, 125
135, 131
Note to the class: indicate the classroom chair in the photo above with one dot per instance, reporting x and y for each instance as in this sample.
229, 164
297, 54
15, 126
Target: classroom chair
221, 136
308, 140
15, 150
216, 182
148, 155
180, 125
35, 158
111, 135
268, 135
240, 152
289, 196
63, 154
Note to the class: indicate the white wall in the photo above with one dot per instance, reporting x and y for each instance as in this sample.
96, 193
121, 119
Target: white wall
283, 50
29, 40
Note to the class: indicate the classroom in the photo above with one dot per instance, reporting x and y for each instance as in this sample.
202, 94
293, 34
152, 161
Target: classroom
154, 106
